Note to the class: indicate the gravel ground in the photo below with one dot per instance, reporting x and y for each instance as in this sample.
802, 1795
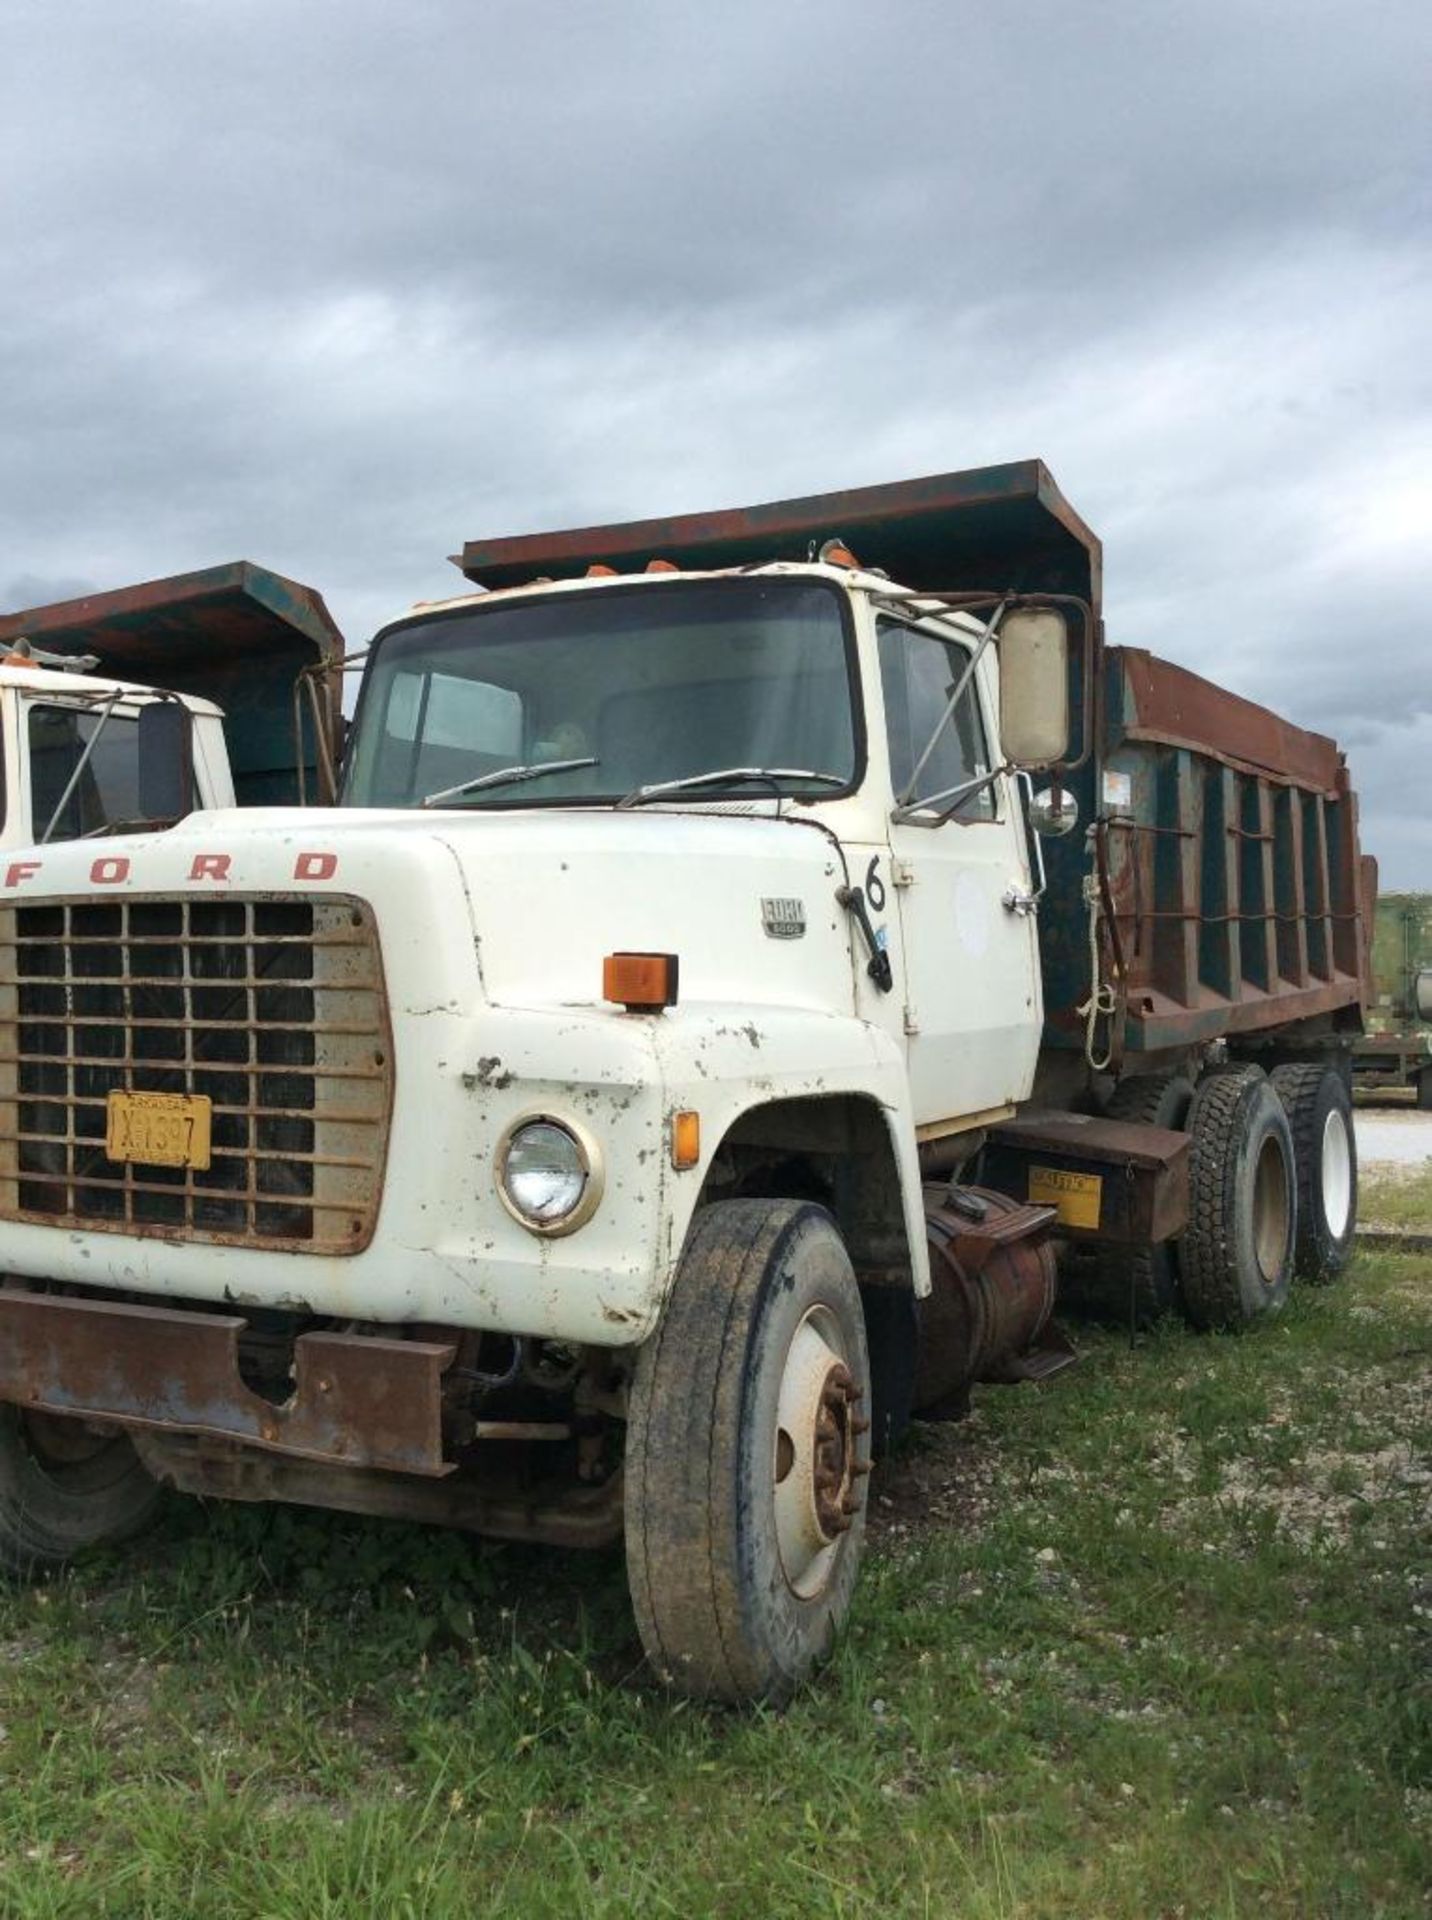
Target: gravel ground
1392, 1136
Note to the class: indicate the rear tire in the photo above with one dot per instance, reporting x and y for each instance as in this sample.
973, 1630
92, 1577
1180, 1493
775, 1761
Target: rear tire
64, 1489
746, 1455
1319, 1111
1236, 1254
1141, 1282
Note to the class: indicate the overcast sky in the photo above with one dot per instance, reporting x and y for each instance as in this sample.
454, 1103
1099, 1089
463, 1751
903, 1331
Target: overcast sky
334, 287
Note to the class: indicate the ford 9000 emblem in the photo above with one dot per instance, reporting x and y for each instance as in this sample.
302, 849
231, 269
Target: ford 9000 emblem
783, 919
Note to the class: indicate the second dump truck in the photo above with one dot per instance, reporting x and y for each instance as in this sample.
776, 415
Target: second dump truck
131, 708
1396, 1051
755, 955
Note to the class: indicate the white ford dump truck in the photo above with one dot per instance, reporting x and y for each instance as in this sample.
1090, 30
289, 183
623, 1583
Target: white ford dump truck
692, 1045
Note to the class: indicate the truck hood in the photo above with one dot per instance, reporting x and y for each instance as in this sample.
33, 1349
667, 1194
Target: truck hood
747, 903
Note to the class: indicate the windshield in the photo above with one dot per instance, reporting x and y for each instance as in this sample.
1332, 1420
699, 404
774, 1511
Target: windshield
107, 791
642, 685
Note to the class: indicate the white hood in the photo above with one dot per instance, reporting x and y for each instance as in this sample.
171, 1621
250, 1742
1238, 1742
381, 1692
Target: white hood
747, 903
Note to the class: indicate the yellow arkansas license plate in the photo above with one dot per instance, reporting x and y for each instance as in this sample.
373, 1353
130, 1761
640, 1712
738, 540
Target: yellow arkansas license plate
159, 1129
1074, 1195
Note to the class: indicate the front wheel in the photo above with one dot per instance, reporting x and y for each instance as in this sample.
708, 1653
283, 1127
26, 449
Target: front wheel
747, 1454
65, 1488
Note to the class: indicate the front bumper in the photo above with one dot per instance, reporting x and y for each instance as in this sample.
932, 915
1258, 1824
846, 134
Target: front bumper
357, 1401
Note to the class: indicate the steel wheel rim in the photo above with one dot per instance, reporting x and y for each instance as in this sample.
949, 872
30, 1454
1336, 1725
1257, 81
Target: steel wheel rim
814, 1453
1272, 1213
1335, 1170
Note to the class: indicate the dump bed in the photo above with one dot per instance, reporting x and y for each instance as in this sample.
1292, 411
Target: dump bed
1223, 838
1226, 850
235, 634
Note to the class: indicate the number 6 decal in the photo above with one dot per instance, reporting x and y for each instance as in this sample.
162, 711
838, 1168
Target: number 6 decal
874, 885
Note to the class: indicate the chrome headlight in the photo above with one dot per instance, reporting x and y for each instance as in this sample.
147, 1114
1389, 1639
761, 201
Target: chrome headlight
548, 1174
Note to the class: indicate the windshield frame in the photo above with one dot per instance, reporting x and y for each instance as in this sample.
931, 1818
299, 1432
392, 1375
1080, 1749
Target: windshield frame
522, 799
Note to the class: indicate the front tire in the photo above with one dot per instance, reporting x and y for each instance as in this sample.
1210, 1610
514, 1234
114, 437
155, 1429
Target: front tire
1319, 1111
65, 1489
747, 1454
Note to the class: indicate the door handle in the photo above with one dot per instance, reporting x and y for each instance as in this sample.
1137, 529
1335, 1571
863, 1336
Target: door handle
878, 966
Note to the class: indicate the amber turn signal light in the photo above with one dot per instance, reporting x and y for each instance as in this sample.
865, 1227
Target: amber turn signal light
640, 982
685, 1139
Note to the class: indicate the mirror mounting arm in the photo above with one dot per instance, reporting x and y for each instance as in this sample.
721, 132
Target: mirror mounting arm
916, 814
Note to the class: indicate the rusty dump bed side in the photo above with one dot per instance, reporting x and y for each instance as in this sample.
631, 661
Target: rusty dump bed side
1230, 880
235, 634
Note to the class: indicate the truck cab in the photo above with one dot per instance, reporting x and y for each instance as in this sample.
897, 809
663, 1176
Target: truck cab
727, 708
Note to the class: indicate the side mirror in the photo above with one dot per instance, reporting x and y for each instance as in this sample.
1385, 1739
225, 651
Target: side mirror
1033, 645
166, 760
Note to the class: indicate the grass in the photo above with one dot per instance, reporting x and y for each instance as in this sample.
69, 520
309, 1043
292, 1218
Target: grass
1400, 1198
1149, 1640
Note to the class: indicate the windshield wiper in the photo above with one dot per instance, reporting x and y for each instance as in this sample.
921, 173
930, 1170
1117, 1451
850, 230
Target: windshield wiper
505, 777
729, 777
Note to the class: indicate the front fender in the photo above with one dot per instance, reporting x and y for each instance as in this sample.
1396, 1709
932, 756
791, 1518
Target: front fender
726, 1061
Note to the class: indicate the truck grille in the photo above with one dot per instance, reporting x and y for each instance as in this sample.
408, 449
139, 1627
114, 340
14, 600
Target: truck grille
274, 1008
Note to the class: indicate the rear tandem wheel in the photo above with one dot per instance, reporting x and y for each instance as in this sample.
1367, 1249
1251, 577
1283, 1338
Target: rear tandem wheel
1236, 1254
1319, 1111
1142, 1283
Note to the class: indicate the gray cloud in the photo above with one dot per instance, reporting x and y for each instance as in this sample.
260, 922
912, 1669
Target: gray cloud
340, 286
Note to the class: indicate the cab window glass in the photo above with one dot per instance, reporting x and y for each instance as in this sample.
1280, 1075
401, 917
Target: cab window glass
107, 791
644, 684
439, 729
918, 673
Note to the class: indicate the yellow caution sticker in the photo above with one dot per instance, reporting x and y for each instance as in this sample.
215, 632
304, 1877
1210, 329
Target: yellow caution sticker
1075, 1195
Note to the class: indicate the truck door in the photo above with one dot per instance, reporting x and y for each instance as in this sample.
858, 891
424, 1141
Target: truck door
969, 977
